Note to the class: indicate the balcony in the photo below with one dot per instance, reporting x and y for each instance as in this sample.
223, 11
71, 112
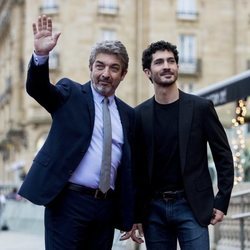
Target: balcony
108, 9
187, 15
49, 9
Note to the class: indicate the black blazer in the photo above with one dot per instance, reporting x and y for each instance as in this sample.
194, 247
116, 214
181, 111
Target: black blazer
72, 110
198, 125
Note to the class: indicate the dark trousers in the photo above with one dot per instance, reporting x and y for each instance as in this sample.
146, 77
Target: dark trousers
172, 220
76, 221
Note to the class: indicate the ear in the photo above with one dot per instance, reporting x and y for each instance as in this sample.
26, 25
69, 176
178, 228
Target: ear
147, 72
123, 74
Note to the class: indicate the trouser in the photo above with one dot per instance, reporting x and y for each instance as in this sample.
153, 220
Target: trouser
172, 220
76, 221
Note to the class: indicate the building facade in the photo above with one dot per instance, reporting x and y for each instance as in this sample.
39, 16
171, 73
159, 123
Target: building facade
213, 38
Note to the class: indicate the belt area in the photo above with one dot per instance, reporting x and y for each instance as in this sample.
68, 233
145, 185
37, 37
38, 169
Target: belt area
169, 195
96, 193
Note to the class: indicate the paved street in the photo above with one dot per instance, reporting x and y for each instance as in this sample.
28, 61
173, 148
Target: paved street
26, 230
10, 240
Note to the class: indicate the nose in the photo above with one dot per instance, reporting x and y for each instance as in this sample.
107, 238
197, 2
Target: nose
166, 64
105, 73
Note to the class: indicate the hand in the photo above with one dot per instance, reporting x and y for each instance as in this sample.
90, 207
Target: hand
125, 235
217, 216
133, 234
44, 40
137, 233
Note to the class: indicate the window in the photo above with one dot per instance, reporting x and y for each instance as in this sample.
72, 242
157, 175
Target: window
108, 34
186, 9
108, 7
49, 7
187, 54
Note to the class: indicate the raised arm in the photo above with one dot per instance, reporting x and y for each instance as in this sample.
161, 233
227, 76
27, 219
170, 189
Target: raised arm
44, 39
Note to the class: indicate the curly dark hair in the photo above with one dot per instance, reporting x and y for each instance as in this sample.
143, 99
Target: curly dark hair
153, 47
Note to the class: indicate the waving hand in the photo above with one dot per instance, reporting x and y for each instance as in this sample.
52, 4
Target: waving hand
44, 39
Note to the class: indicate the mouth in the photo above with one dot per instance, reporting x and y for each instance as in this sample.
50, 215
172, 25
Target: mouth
104, 83
167, 73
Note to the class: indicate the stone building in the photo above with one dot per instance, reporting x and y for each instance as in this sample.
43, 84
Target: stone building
213, 38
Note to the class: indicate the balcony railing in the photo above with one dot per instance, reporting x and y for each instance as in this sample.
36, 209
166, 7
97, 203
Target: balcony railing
49, 9
187, 15
234, 231
111, 9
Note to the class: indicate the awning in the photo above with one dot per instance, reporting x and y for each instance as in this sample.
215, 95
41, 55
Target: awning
229, 90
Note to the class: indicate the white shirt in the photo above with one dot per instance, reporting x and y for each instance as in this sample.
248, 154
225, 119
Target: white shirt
87, 172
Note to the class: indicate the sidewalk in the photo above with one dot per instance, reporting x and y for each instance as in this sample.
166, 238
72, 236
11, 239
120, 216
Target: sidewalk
10, 240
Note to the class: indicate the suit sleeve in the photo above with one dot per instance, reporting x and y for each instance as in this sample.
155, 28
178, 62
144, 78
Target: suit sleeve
38, 86
222, 157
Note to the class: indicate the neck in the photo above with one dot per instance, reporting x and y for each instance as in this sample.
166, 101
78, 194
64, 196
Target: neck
166, 95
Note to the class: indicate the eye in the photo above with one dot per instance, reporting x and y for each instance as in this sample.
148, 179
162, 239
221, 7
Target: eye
99, 66
158, 62
115, 69
172, 61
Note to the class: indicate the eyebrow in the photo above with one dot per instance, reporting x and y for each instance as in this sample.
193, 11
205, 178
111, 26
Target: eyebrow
163, 58
111, 65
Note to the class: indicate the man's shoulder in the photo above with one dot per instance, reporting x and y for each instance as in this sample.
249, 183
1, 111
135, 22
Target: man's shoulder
71, 84
144, 104
193, 97
123, 104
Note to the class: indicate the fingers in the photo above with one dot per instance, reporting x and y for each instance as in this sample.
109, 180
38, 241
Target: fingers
140, 230
43, 23
137, 233
49, 24
135, 238
125, 235
218, 216
39, 24
34, 28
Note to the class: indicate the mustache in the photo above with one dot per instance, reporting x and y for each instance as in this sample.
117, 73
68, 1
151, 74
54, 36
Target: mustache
166, 71
105, 79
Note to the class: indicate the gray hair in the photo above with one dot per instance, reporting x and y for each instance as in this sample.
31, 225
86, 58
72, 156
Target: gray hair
110, 47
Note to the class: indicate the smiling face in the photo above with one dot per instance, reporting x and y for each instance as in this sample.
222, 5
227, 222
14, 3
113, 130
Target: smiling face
106, 73
163, 69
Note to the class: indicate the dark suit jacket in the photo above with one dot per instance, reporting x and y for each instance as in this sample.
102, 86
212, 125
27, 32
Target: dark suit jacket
198, 124
72, 109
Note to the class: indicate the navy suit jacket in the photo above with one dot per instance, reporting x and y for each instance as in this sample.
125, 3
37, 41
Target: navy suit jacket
198, 126
72, 110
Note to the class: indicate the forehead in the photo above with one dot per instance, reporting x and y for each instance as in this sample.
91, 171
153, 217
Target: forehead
108, 59
162, 54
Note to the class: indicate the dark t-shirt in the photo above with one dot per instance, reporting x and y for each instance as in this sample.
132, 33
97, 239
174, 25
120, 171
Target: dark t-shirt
166, 172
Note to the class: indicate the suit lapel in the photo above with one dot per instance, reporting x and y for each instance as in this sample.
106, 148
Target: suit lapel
86, 89
185, 119
124, 118
148, 132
